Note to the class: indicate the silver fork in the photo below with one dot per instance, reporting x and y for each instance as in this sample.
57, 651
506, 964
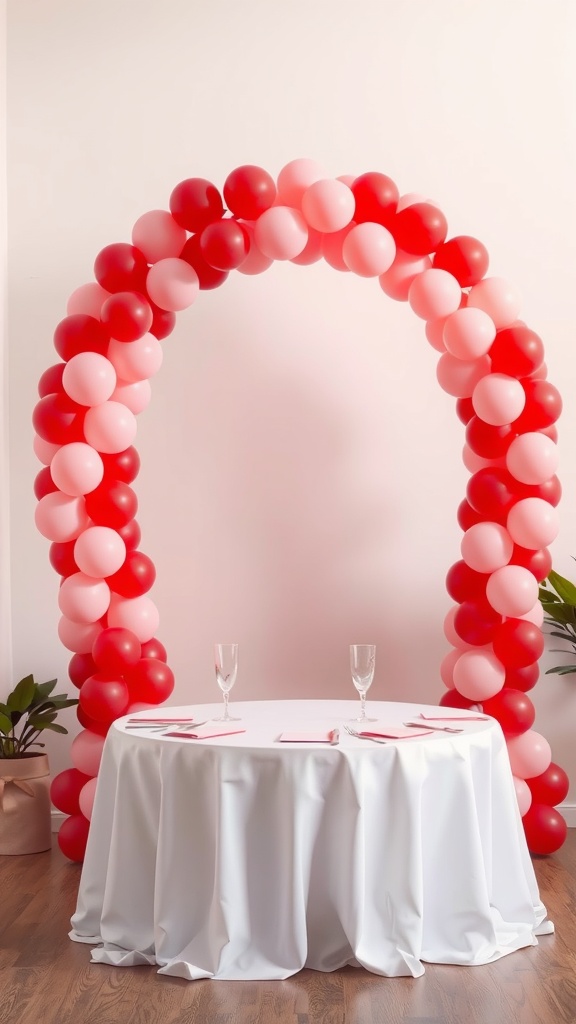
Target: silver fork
374, 739
432, 728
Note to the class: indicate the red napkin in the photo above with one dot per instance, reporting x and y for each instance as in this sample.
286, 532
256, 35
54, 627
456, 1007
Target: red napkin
394, 732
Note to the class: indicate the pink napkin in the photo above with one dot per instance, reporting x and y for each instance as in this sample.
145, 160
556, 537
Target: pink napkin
453, 718
318, 736
207, 732
158, 721
393, 732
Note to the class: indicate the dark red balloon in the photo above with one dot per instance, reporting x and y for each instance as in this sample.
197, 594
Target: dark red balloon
538, 562
224, 244
419, 229
464, 583
545, 829
543, 406
518, 643
476, 621
249, 191
51, 380
44, 484
163, 322
73, 836
80, 333
113, 503
208, 277
512, 709
59, 420
154, 649
550, 490
453, 699
116, 649
551, 787
464, 410
464, 257
376, 198
65, 790
61, 555
467, 516
135, 576
123, 466
100, 728
104, 697
131, 534
195, 203
121, 267
80, 667
487, 441
151, 681
127, 316
523, 678
516, 351
492, 492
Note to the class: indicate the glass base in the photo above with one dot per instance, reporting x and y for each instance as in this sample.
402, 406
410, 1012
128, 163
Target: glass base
227, 718
365, 719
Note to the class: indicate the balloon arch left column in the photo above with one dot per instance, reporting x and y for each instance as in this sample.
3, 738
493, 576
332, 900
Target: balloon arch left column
109, 347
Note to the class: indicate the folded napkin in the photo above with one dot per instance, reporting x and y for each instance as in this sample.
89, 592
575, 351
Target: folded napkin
393, 732
206, 732
453, 718
315, 736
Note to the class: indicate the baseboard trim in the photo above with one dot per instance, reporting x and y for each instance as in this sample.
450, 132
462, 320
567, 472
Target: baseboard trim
57, 818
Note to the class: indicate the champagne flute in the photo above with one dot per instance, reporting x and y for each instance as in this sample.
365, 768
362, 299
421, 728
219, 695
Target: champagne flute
226, 664
362, 662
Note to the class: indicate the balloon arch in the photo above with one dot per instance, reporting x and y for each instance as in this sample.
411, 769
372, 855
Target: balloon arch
109, 346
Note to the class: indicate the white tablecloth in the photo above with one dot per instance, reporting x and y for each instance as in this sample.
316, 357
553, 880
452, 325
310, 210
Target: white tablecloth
244, 858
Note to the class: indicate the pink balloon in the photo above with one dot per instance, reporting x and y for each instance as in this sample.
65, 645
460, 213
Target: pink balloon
312, 251
348, 179
60, 517
136, 360
458, 377
43, 450
158, 236
447, 668
82, 598
523, 795
478, 674
78, 636
89, 378
139, 705
498, 399
139, 614
434, 331
255, 262
281, 233
410, 198
99, 551
86, 798
450, 632
534, 615
172, 284
475, 462
531, 458
134, 395
77, 468
110, 427
530, 754
395, 282
368, 249
295, 178
328, 205
512, 590
486, 547
88, 298
86, 752
333, 245
499, 299
468, 333
532, 523
434, 293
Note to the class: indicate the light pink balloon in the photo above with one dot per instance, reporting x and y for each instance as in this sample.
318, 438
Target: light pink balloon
499, 299
60, 517
486, 547
312, 251
533, 523
158, 236
474, 462
43, 450
139, 705
348, 179
281, 233
512, 590
498, 399
530, 754
99, 551
82, 598
434, 293
136, 360
328, 205
523, 795
86, 752
447, 668
410, 199
395, 282
532, 458
86, 798
110, 427
89, 378
450, 632
295, 178
478, 674
255, 262
434, 331
459, 377
468, 333
332, 247
139, 614
534, 615
88, 298
78, 636
134, 395
172, 284
77, 468
368, 249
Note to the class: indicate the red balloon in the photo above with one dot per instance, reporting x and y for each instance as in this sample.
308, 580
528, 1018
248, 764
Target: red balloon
545, 828
543, 406
59, 420
61, 555
376, 198
518, 643
104, 697
467, 516
135, 576
492, 492
73, 837
154, 649
464, 257
516, 351
44, 484
163, 321
130, 533
123, 466
464, 410
127, 316
487, 441
80, 667
476, 621
195, 203
419, 229
512, 709
101, 728
116, 649
523, 678
538, 562
65, 790
80, 333
550, 490
464, 583
208, 277
51, 380
224, 244
121, 267
453, 699
248, 191
151, 681
113, 503
551, 787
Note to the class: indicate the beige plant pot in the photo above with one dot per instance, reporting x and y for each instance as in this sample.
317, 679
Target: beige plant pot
25, 824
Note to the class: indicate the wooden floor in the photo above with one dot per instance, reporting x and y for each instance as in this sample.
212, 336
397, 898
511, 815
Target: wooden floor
47, 979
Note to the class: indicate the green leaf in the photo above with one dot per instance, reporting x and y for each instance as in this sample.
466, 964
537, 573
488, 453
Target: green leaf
5, 723
564, 613
36, 720
563, 587
546, 596
561, 670
54, 727
22, 695
45, 689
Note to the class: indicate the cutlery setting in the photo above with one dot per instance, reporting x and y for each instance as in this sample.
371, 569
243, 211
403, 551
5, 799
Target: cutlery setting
359, 736
432, 728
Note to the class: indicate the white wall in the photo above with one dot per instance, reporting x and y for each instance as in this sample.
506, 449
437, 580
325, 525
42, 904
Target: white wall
301, 467
5, 595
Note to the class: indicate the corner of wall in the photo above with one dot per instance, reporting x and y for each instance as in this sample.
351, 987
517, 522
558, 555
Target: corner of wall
5, 560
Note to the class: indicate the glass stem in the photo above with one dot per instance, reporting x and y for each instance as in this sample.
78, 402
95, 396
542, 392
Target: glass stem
363, 704
225, 707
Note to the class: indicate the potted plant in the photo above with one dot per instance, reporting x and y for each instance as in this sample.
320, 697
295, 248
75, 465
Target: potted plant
24, 773
558, 599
